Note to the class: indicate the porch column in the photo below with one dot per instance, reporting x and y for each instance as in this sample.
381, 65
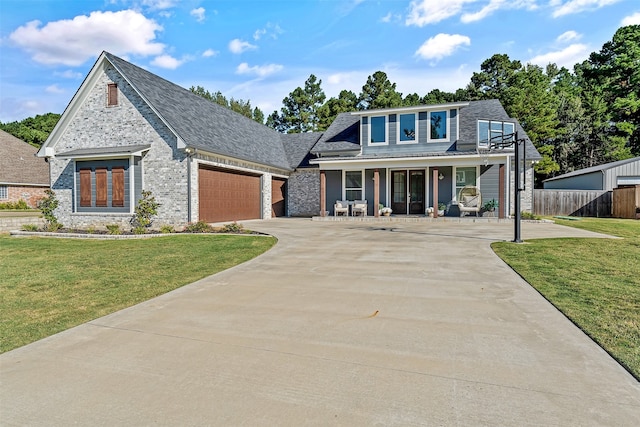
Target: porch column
376, 193
323, 194
435, 192
502, 200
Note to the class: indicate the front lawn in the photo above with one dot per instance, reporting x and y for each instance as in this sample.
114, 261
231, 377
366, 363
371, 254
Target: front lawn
594, 282
49, 285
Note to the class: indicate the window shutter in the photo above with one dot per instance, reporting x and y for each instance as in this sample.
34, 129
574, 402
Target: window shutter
112, 94
101, 187
117, 187
85, 187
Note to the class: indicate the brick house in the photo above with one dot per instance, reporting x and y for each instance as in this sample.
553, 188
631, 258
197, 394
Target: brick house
23, 176
127, 129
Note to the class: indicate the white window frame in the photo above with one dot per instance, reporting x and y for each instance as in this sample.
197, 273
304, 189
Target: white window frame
344, 184
416, 123
455, 183
386, 131
4, 192
448, 127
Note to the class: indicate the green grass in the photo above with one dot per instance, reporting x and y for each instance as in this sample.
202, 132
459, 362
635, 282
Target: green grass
49, 285
594, 282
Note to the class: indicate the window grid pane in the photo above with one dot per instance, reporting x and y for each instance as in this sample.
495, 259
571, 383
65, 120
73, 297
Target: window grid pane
378, 129
4, 193
439, 125
407, 127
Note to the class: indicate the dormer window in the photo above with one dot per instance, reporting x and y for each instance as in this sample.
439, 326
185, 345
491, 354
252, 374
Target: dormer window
378, 130
490, 131
112, 95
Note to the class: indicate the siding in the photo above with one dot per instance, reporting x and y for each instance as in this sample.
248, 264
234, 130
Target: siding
108, 164
490, 183
334, 188
589, 181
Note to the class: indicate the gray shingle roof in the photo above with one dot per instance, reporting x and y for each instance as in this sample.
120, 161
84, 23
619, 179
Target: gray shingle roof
203, 124
19, 164
122, 149
342, 135
297, 147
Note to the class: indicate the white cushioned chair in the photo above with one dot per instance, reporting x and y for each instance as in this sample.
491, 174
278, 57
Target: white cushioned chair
359, 207
469, 200
341, 208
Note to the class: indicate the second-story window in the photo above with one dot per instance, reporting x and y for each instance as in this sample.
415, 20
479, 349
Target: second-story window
438, 122
490, 131
407, 128
378, 130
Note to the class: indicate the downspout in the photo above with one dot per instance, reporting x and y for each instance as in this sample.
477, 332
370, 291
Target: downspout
190, 154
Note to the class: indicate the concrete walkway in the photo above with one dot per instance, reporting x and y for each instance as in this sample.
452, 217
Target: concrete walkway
353, 324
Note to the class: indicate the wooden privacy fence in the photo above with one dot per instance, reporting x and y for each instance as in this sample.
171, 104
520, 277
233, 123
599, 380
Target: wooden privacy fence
572, 202
626, 202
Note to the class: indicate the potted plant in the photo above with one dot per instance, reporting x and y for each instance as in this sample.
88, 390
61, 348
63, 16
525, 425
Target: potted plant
441, 208
490, 206
429, 211
384, 210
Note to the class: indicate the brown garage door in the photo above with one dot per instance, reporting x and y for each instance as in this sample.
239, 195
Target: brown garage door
278, 204
228, 196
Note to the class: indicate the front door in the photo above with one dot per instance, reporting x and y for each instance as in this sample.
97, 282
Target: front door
407, 192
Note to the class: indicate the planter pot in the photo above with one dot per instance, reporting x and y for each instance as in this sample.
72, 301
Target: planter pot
387, 214
441, 213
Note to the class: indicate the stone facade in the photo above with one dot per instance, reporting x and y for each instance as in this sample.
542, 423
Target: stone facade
131, 122
526, 196
303, 191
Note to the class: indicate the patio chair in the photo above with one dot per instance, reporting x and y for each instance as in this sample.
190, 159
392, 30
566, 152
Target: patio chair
469, 200
359, 207
341, 207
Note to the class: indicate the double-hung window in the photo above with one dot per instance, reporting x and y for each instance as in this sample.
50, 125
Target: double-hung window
378, 130
491, 132
4, 193
407, 129
465, 176
353, 185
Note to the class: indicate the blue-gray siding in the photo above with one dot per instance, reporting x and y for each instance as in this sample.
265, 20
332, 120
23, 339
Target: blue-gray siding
334, 188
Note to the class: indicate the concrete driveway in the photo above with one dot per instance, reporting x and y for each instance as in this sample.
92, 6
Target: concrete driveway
352, 324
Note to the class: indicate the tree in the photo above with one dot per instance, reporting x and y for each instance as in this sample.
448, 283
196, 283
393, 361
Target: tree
379, 92
345, 102
616, 69
300, 111
240, 106
34, 130
494, 78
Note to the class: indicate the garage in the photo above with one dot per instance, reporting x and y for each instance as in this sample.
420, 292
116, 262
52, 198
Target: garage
228, 195
278, 203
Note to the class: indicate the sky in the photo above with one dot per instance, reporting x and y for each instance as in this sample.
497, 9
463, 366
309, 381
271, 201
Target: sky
261, 50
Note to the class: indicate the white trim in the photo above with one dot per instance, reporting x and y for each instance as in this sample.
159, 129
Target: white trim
416, 124
417, 108
447, 130
410, 162
454, 180
132, 184
344, 183
386, 131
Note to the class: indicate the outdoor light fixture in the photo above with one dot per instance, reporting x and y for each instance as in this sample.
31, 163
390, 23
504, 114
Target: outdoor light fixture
440, 177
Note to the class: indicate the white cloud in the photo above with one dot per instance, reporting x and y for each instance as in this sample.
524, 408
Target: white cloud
631, 20
260, 71
567, 57
425, 12
568, 36
55, 89
239, 46
442, 45
168, 61
569, 7
72, 42
159, 4
484, 12
209, 53
198, 14
272, 30
69, 74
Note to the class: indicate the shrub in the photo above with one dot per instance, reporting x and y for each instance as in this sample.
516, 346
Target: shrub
528, 215
198, 227
139, 230
113, 229
146, 209
47, 206
167, 229
234, 227
91, 229
19, 205
29, 227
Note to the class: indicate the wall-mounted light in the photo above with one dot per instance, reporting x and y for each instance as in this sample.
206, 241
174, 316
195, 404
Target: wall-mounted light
441, 176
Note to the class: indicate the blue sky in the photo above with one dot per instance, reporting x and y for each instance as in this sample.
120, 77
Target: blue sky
261, 50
